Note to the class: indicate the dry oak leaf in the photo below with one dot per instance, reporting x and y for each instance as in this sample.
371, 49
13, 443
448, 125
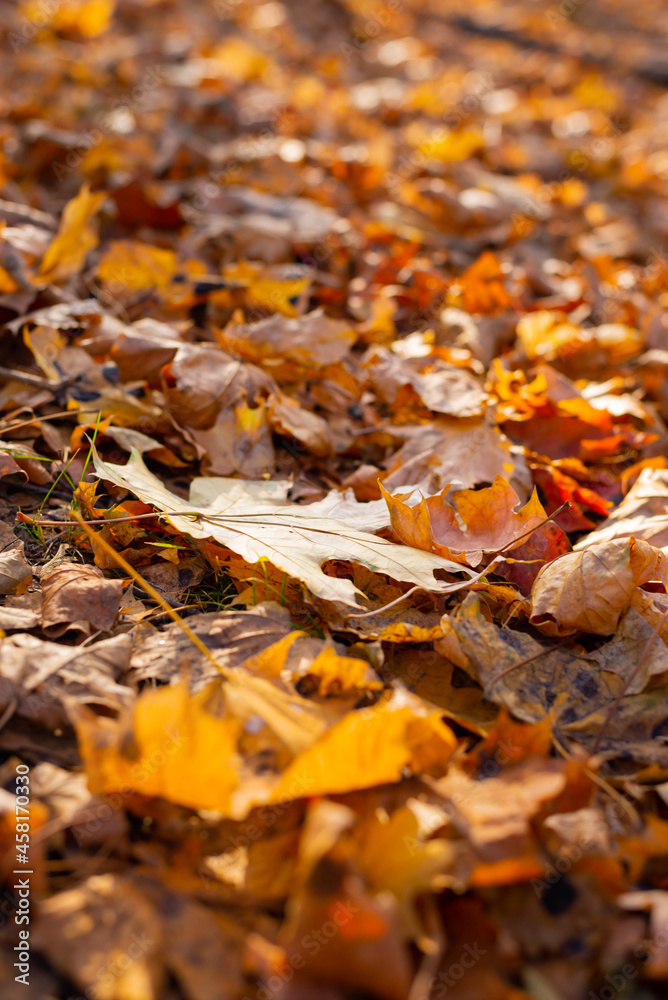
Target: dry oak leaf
287, 417
588, 591
74, 594
642, 513
488, 516
533, 680
15, 570
255, 520
67, 252
311, 341
39, 677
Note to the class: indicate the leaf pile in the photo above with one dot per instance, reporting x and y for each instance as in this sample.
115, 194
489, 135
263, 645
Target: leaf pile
334, 499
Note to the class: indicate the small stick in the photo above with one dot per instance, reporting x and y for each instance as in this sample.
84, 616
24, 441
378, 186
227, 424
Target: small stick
36, 381
47, 416
150, 589
515, 541
451, 588
101, 520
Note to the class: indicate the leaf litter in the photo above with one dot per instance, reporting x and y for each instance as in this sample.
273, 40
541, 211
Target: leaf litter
333, 463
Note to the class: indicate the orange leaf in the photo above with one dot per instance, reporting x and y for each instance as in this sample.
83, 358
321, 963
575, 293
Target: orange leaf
588, 591
489, 520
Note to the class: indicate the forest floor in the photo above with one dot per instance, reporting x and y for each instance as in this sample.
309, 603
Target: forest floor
333, 500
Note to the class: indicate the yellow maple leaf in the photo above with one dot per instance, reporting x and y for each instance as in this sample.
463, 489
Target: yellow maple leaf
370, 747
176, 749
136, 266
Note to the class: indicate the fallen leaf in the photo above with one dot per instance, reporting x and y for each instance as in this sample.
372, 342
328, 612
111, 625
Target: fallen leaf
589, 590
73, 594
39, 678
233, 637
445, 390
479, 522
289, 418
129, 266
494, 813
256, 521
450, 452
76, 236
370, 747
15, 570
531, 679
311, 341
641, 514
154, 753
483, 286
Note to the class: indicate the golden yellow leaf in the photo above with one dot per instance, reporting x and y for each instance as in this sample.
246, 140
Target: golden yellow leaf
87, 17
75, 237
370, 747
7, 283
134, 266
171, 747
338, 675
264, 289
